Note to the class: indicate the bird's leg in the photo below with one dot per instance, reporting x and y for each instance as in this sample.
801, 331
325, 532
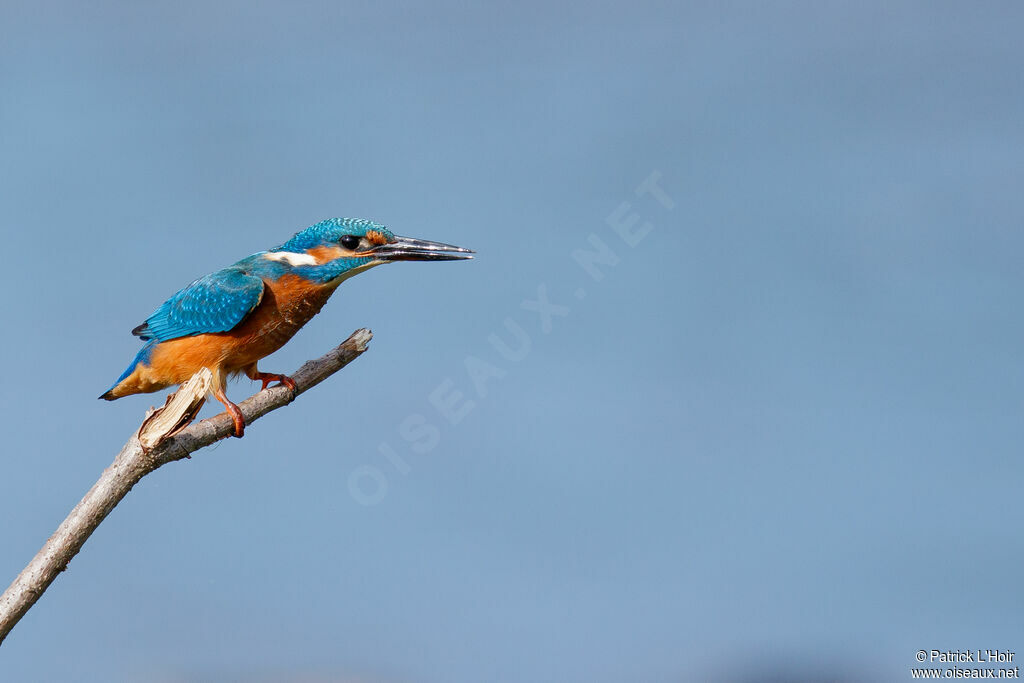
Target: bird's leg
267, 377
234, 411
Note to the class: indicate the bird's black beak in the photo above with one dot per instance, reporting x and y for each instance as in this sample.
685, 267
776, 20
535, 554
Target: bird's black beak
409, 249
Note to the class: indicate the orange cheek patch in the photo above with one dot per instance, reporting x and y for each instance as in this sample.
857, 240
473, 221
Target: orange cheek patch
323, 254
377, 238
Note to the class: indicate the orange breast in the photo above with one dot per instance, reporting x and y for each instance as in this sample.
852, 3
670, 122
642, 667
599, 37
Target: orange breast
286, 306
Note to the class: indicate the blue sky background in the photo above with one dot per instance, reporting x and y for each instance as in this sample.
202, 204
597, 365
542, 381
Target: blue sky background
780, 437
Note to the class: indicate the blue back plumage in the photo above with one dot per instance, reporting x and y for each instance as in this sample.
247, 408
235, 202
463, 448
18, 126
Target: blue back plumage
215, 303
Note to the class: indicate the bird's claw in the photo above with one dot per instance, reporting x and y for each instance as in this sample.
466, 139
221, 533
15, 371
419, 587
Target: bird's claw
268, 377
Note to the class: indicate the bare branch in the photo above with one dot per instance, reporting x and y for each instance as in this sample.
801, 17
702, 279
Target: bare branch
134, 462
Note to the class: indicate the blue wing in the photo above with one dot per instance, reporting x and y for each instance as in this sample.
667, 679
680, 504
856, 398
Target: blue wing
215, 303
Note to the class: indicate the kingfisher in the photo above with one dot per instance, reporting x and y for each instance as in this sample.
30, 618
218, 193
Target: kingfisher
228, 320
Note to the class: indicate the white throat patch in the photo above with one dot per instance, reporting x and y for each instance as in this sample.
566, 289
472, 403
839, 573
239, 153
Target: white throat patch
291, 258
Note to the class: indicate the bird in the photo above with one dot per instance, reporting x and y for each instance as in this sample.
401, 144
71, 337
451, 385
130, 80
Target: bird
229, 320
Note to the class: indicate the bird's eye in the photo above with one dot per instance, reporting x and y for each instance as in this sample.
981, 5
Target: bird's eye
350, 242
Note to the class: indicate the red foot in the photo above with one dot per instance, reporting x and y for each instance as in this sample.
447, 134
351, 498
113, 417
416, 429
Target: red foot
268, 377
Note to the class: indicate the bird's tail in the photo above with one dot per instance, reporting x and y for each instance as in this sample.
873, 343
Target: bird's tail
142, 356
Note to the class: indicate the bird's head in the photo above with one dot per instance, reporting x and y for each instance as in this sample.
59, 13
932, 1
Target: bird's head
354, 244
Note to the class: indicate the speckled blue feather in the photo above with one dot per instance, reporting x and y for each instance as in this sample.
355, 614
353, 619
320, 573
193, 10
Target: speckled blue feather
331, 230
215, 303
